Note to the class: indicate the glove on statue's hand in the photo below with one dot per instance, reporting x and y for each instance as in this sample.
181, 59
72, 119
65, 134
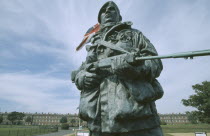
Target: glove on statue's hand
125, 70
87, 80
91, 80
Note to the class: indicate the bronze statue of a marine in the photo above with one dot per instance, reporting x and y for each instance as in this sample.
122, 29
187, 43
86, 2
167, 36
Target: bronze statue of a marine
119, 100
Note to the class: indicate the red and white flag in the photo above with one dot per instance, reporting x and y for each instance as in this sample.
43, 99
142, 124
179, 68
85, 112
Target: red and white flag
88, 36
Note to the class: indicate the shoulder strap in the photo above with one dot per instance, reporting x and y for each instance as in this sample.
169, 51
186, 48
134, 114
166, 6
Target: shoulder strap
111, 46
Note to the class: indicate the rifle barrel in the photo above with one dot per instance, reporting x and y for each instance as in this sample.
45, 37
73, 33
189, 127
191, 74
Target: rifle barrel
190, 54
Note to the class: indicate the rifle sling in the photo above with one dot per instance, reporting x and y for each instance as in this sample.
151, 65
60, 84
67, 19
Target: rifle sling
111, 46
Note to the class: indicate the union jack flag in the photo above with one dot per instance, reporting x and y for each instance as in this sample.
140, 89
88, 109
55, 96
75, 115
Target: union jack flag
88, 36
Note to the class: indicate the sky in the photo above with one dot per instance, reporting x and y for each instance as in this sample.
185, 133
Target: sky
38, 41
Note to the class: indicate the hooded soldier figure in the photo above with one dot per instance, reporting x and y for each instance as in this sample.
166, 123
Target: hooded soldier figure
122, 100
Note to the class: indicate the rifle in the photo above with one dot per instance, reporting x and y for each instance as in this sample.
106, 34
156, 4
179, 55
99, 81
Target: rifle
136, 58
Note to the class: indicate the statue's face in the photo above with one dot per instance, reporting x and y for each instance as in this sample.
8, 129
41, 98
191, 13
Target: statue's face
109, 14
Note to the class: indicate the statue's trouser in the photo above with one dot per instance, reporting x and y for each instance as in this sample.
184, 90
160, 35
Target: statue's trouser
149, 132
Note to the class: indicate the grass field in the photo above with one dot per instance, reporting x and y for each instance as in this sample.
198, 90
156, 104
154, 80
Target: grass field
33, 130
7, 130
182, 129
186, 128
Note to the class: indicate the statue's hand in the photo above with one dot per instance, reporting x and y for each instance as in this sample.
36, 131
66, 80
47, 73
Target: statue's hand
91, 80
119, 65
87, 80
123, 69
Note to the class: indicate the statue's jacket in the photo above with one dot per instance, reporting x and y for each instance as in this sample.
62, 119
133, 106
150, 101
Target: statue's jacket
123, 104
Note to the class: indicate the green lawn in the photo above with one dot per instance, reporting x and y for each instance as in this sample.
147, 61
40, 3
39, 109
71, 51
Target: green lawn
23, 130
186, 128
7, 130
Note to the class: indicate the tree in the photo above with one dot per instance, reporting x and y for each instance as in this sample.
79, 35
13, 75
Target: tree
1, 119
201, 101
163, 123
65, 126
29, 119
73, 121
63, 119
192, 117
15, 116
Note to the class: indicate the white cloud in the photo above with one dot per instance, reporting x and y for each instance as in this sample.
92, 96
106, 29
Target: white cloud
55, 29
31, 23
38, 93
177, 79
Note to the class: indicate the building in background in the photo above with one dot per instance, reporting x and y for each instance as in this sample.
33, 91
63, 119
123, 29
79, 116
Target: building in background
47, 119
73, 119
174, 118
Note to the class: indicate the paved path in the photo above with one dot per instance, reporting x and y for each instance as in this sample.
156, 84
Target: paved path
59, 133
